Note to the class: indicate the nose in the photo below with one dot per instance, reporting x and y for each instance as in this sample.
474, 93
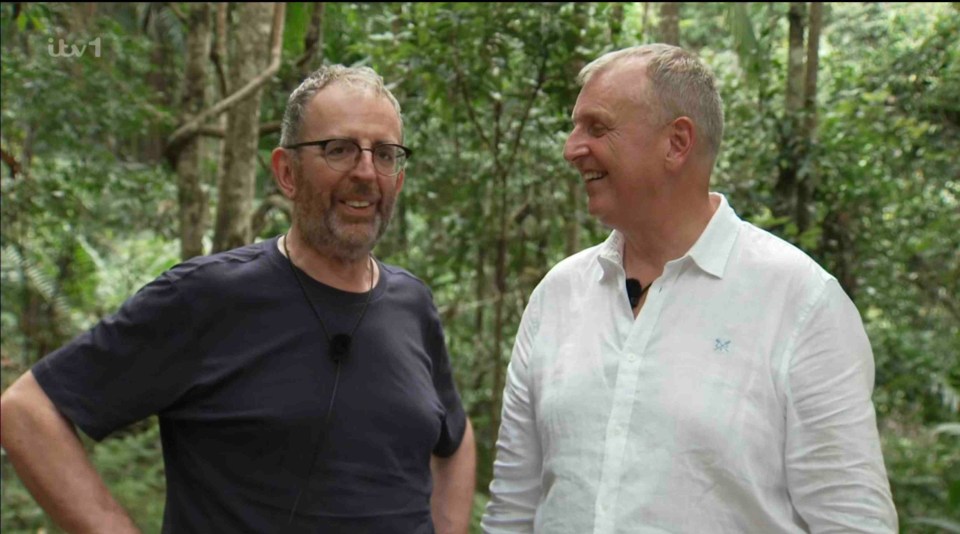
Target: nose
574, 148
365, 168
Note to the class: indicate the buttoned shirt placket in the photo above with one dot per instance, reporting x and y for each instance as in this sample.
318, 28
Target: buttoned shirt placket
624, 395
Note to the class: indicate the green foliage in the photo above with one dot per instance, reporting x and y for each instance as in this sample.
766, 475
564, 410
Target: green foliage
480, 500
924, 469
132, 466
295, 26
74, 145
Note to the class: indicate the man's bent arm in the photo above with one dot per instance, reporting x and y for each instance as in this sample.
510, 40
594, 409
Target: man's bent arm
453, 481
517, 469
835, 472
50, 460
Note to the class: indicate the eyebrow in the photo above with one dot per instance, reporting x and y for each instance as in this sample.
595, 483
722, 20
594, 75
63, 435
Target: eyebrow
592, 115
377, 142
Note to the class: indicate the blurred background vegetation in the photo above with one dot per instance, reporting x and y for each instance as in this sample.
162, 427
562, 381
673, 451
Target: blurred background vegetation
122, 154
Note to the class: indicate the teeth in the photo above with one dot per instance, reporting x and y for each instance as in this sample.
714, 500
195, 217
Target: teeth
590, 176
357, 203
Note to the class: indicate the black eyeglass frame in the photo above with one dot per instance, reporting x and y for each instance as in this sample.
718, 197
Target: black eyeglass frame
324, 142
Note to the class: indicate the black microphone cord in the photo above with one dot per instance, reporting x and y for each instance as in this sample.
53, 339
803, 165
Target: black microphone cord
316, 450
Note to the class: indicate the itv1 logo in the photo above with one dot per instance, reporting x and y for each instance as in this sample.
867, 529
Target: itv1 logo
73, 51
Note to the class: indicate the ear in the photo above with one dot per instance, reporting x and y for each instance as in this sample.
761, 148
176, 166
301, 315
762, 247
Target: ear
399, 179
284, 172
682, 137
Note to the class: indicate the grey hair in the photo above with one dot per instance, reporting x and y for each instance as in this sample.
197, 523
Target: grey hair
364, 77
680, 85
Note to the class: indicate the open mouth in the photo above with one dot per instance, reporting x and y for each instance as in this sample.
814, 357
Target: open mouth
362, 209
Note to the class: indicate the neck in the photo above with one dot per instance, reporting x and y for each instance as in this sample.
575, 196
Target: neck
347, 275
664, 233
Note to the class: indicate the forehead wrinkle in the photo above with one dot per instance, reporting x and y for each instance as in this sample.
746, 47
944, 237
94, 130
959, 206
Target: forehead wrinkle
343, 114
596, 113
375, 143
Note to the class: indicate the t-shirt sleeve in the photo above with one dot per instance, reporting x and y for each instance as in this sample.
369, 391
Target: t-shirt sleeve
454, 421
127, 367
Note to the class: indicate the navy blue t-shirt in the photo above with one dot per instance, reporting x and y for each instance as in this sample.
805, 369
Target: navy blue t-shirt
227, 352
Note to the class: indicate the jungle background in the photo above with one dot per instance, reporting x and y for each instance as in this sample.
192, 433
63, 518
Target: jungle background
135, 135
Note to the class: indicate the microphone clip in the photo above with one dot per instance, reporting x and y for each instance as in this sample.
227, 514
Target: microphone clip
635, 292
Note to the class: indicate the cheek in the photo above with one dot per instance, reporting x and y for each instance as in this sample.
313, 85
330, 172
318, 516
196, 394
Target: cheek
389, 187
311, 193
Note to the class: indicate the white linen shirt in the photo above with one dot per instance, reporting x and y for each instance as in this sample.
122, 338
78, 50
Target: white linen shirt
739, 400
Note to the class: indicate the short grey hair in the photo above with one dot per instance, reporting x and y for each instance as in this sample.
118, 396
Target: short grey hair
364, 77
680, 85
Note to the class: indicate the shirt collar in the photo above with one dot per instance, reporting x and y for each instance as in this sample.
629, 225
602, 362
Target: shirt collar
611, 255
710, 252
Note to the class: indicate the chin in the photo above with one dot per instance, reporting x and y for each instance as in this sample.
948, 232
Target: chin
358, 240
598, 211
604, 217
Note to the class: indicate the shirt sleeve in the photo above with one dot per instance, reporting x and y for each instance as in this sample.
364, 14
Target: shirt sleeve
126, 368
454, 422
835, 471
515, 489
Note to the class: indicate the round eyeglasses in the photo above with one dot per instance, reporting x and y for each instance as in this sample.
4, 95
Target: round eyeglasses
344, 154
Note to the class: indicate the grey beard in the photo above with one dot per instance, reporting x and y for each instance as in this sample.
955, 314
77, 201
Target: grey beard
322, 234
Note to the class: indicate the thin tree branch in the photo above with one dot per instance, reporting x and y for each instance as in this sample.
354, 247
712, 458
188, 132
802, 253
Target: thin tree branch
541, 79
468, 103
266, 128
470, 113
176, 12
313, 41
272, 201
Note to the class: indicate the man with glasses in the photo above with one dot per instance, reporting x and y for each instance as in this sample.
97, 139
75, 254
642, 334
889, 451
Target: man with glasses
693, 373
301, 385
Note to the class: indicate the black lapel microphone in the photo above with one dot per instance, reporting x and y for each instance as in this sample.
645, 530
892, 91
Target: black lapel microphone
635, 291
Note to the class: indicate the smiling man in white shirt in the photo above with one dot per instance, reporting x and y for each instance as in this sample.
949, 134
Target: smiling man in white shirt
693, 373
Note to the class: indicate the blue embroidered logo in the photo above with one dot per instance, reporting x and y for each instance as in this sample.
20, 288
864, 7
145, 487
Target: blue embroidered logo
721, 345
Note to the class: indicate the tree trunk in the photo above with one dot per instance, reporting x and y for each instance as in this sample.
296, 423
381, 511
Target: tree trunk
250, 53
806, 181
616, 23
500, 283
151, 146
480, 292
312, 56
670, 23
645, 22
795, 74
219, 52
499, 268
192, 199
786, 188
813, 65
836, 245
